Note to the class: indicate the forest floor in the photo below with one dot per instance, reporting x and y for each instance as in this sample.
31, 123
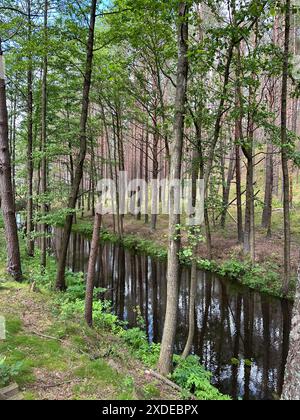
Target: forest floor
65, 360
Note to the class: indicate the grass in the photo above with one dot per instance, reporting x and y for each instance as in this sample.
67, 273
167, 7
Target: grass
72, 359
45, 362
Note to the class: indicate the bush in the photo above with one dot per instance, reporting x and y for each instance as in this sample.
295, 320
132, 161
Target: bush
8, 372
138, 341
191, 376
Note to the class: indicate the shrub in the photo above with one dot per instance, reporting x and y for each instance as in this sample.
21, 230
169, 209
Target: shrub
8, 372
192, 377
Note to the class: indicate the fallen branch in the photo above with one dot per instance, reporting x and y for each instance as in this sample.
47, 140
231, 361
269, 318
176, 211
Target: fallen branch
58, 384
168, 382
48, 337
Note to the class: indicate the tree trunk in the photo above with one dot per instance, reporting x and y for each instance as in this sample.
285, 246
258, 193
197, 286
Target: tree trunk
91, 270
291, 388
60, 280
147, 175
30, 226
193, 284
285, 151
239, 194
155, 166
226, 189
43, 144
249, 235
167, 345
238, 137
269, 183
192, 302
6, 189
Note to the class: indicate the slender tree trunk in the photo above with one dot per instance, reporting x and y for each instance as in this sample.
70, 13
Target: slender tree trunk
249, 238
6, 188
248, 150
193, 283
239, 195
60, 280
13, 143
238, 137
284, 151
121, 157
167, 346
192, 304
30, 226
147, 175
110, 157
249, 235
91, 270
269, 183
226, 188
44, 143
155, 169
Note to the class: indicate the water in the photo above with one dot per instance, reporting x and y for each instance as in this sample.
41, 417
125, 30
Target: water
232, 322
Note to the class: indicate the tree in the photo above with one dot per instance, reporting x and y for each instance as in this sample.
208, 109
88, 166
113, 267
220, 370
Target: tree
167, 346
44, 140
60, 279
30, 163
6, 188
285, 150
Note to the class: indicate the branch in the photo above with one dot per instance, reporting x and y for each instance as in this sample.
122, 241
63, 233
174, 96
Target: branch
116, 12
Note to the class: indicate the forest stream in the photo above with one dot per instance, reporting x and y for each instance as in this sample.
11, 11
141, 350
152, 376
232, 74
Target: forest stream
241, 336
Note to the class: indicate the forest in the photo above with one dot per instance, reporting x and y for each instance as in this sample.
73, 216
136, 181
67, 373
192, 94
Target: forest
150, 197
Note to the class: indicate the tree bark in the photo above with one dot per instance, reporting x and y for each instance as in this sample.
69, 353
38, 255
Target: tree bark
43, 143
167, 345
60, 280
91, 270
238, 137
30, 226
291, 388
284, 151
226, 189
6, 188
269, 183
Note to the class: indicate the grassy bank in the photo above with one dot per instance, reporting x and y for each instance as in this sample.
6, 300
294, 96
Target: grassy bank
264, 278
51, 353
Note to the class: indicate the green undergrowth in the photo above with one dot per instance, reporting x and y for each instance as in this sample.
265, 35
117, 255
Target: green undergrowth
189, 374
262, 278
131, 242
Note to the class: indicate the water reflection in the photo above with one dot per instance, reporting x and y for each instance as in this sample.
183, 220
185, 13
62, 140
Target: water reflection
241, 336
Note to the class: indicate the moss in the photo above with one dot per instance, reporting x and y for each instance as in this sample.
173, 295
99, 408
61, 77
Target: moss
151, 391
99, 370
